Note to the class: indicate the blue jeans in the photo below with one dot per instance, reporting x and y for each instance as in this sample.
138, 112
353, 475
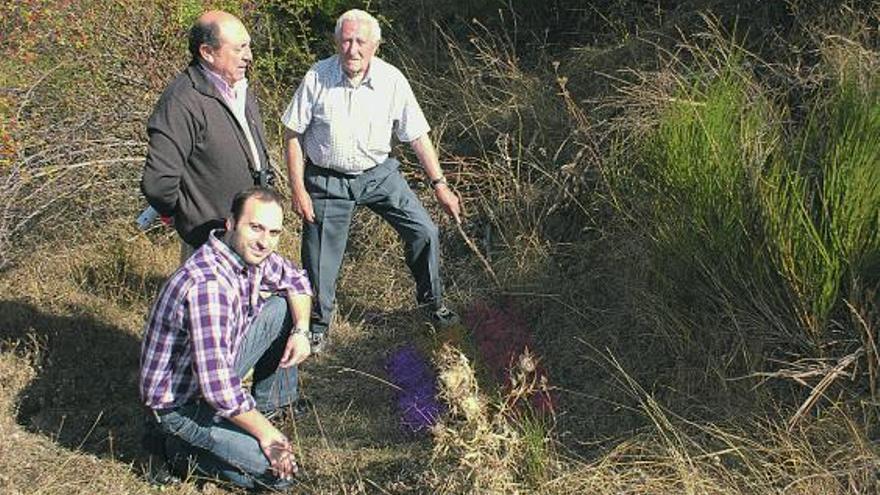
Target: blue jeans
216, 447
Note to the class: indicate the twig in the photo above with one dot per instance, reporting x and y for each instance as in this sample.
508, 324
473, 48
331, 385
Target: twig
65, 168
871, 350
27, 97
483, 260
822, 386
341, 369
558, 299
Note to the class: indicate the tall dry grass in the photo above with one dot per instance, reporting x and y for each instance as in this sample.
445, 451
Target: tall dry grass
681, 238
486, 446
709, 225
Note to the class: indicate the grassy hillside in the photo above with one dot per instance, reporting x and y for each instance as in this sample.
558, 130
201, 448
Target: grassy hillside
675, 206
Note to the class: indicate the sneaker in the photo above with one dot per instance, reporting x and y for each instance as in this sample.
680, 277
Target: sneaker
443, 317
320, 342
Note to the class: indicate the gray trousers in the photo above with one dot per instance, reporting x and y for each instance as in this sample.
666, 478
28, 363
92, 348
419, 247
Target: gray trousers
383, 190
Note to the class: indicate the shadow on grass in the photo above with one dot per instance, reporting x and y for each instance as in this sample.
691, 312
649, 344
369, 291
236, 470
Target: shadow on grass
118, 279
85, 394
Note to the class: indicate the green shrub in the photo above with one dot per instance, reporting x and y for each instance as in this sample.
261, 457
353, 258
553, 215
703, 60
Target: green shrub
822, 204
692, 198
698, 160
758, 221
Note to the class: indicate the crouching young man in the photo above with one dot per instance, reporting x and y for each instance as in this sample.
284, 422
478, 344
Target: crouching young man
211, 324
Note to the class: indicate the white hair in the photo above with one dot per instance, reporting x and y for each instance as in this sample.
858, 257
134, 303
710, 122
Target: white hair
358, 15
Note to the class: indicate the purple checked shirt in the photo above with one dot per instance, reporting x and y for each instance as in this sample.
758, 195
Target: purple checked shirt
197, 324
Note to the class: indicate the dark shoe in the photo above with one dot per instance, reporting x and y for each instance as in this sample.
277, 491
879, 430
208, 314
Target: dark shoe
297, 410
159, 472
443, 317
320, 342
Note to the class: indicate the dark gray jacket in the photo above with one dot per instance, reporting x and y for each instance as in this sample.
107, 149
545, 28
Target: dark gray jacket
198, 156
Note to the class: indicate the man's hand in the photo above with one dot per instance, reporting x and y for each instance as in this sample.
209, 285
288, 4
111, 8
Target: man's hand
277, 449
273, 443
302, 204
448, 200
296, 171
424, 149
296, 351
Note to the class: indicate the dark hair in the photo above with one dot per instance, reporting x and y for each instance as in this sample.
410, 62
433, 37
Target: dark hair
263, 194
203, 33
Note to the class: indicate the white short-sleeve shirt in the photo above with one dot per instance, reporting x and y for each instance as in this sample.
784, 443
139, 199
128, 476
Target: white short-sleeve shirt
349, 128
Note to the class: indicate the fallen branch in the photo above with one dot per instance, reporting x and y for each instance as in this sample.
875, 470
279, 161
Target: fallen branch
822, 386
479, 255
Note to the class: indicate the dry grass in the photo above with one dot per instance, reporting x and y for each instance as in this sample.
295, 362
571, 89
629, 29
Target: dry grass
66, 309
72, 322
644, 406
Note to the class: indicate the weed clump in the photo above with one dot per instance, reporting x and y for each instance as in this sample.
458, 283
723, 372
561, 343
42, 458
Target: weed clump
486, 445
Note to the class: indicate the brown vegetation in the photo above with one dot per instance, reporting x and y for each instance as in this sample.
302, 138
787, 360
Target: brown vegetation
677, 371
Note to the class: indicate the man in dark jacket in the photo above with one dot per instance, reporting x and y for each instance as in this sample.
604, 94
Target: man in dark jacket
206, 136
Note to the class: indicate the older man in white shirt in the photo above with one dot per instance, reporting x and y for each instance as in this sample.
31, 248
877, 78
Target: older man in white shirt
341, 120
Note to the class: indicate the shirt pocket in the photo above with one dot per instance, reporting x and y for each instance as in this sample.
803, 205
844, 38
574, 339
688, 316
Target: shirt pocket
326, 110
379, 136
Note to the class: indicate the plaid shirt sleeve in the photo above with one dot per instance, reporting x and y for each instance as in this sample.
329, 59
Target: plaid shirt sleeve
281, 277
212, 318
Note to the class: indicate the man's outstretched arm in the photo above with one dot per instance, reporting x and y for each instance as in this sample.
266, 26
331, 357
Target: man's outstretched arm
424, 149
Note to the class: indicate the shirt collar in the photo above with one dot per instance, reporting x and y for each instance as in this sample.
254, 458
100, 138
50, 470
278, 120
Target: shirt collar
215, 239
368, 79
228, 91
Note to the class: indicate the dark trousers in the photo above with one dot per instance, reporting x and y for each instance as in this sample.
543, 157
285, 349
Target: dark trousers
383, 190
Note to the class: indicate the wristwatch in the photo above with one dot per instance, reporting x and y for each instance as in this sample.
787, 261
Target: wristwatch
438, 180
